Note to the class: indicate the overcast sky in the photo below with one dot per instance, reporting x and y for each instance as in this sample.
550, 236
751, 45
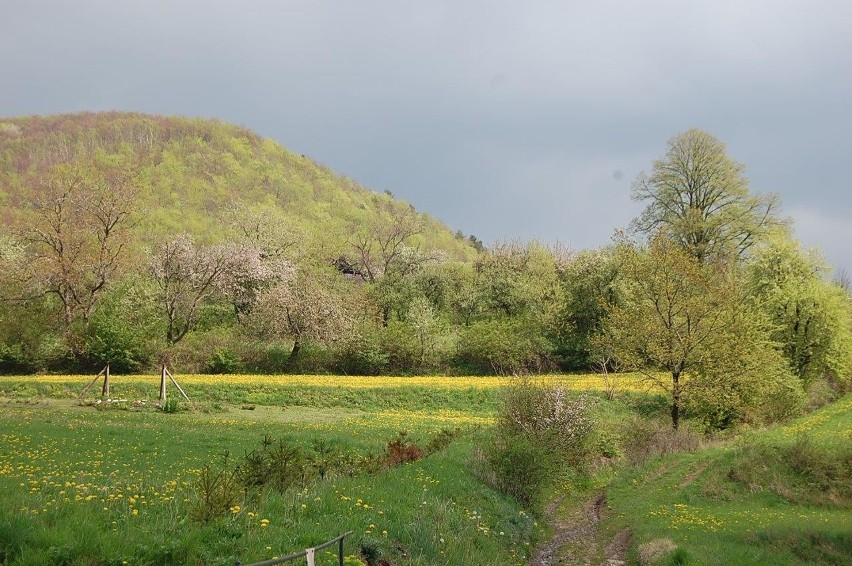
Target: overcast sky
503, 119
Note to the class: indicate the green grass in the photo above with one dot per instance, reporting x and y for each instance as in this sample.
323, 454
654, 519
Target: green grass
780, 496
89, 485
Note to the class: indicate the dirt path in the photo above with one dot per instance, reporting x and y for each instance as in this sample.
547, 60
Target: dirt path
576, 539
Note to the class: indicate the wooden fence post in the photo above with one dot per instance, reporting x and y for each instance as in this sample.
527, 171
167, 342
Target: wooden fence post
163, 383
105, 389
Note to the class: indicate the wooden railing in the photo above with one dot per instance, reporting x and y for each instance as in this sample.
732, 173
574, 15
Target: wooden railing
309, 553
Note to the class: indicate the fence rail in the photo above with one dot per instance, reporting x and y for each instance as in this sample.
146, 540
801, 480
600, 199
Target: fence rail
306, 552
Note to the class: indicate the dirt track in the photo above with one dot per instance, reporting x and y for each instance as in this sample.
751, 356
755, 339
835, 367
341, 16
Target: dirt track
576, 539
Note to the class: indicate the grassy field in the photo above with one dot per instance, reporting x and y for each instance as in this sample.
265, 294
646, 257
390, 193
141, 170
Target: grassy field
781, 496
116, 483
100, 483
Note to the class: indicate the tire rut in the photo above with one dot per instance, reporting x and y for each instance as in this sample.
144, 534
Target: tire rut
579, 529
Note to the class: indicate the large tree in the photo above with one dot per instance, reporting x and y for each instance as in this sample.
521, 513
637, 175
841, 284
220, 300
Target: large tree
700, 197
686, 318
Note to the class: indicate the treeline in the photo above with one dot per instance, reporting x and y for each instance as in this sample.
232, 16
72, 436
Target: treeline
707, 286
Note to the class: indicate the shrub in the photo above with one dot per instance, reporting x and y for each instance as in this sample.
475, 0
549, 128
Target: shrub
170, 405
540, 430
645, 438
223, 360
505, 346
217, 492
550, 416
279, 464
520, 467
401, 450
13, 359
363, 354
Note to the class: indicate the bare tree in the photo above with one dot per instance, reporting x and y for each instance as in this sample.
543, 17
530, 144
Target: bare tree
264, 227
79, 234
382, 246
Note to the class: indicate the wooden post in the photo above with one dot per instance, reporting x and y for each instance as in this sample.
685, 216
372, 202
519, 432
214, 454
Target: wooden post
182, 392
105, 389
100, 373
163, 383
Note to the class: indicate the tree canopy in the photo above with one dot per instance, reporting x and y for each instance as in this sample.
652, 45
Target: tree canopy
700, 197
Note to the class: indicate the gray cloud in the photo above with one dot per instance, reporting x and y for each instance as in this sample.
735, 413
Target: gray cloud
501, 118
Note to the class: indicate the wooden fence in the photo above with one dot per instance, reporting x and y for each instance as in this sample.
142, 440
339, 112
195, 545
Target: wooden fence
307, 553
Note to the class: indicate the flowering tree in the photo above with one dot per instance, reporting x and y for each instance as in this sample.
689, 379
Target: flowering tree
187, 274
307, 306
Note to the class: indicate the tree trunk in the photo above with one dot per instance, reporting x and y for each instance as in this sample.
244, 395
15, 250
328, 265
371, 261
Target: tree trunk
675, 399
297, 345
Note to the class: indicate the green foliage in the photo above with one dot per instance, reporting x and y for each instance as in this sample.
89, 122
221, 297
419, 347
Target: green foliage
171, 405
224, 361
803, 472
505, 346
363, 353
13, 359
540, 432
690, 319
125, 329
521, 468
776, 496
699, 197
590, 283
279, 464
811, 316
217, 492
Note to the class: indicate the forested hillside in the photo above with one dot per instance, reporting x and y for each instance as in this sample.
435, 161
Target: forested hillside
187, 175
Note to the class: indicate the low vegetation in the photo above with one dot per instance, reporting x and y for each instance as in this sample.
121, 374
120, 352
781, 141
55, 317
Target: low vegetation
778, 496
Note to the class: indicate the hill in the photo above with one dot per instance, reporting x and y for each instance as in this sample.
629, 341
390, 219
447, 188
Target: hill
189, 173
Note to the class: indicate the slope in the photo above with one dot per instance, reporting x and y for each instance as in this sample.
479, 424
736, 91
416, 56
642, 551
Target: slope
779, 496
190, 172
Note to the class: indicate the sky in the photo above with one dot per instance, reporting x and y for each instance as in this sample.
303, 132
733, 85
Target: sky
503, 119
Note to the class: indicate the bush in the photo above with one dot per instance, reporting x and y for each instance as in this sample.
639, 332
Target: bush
505, 347
646, 438
540, 431
224, 361
401, 450
363, 354
521, 467
14, 360
549, 416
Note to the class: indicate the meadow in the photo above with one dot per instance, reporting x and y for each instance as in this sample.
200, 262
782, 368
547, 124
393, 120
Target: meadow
91, 482
778, 496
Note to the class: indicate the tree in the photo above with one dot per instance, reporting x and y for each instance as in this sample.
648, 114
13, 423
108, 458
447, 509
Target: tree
187, 274
700, 198
687, 318
264, 227
80, 229
308, 306
518, 279
811, 316
589, 286
383, 246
